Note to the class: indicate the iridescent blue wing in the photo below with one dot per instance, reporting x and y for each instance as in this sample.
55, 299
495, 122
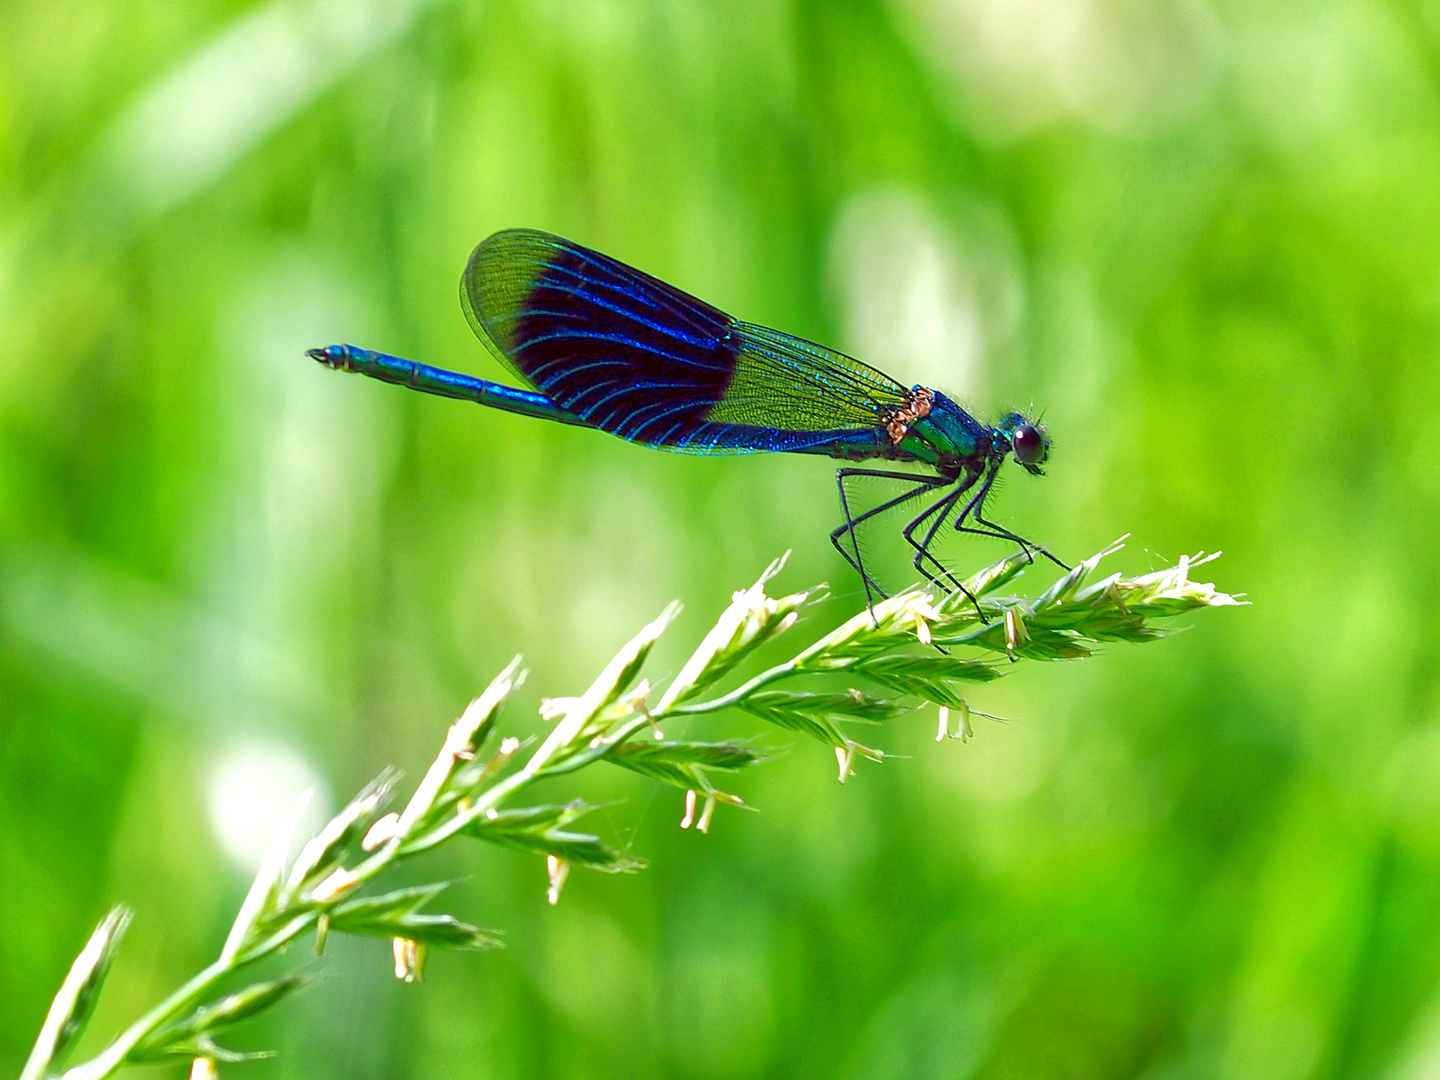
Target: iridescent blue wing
633, 356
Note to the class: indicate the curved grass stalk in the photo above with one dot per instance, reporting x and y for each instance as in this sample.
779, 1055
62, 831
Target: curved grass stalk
917, 648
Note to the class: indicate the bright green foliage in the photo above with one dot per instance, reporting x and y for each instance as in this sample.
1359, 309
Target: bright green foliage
321, 888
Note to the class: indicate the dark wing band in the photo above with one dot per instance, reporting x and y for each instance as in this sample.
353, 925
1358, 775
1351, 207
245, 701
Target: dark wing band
631, 355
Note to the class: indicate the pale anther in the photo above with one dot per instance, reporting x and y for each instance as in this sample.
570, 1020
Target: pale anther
380, 833
339, 882
558, 870
409, 959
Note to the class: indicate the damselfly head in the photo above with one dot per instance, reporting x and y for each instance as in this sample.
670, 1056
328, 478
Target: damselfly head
1028, 441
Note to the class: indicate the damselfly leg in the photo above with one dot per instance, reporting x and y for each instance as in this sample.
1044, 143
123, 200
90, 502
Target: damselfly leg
976, 507
856, 560
941, 512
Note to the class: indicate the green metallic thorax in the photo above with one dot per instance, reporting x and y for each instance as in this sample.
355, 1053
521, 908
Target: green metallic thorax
948, 438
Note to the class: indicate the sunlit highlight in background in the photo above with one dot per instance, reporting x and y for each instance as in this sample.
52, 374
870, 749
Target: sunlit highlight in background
252, 791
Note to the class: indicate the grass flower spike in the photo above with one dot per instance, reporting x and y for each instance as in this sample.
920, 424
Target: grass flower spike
917, 649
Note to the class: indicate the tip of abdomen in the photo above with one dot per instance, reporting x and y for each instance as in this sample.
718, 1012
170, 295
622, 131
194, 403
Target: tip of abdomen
331, 355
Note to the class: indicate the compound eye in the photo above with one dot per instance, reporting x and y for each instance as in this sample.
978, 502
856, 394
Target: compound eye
1028, 444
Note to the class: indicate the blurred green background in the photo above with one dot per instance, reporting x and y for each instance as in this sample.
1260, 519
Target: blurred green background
1203, 236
